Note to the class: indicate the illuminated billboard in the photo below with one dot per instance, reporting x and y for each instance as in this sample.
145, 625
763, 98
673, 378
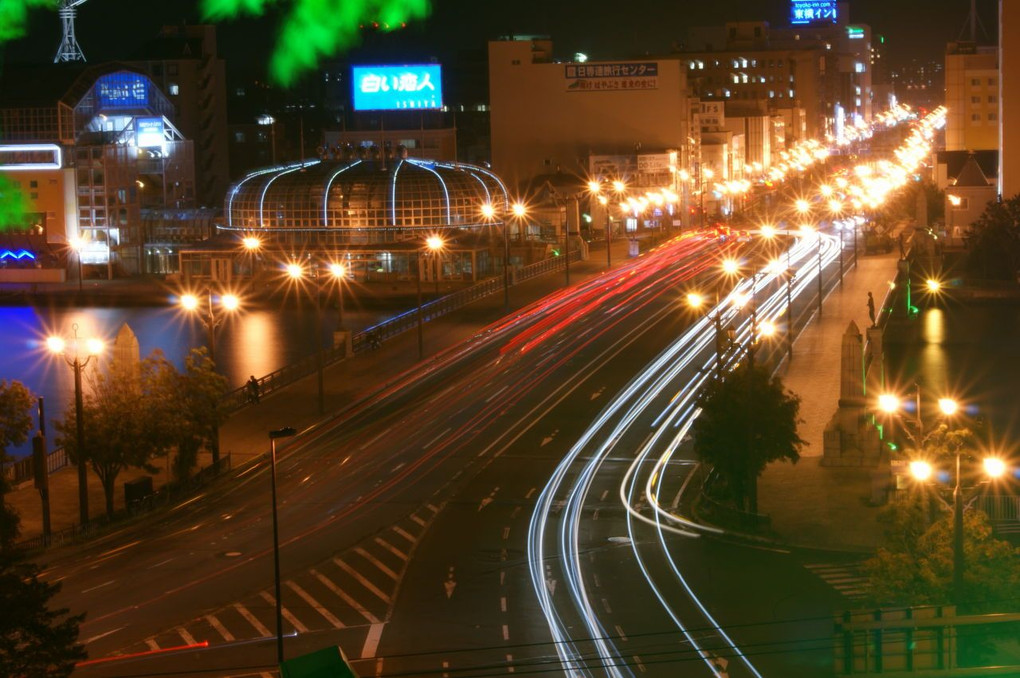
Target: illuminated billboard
812, 12
149, 132
122, 90
390, 88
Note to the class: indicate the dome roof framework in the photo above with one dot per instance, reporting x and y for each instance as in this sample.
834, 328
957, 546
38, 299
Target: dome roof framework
365, 201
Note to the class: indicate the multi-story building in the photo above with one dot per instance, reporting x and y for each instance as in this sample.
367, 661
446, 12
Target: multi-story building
972, 97
550, 115
89, 149
183, 62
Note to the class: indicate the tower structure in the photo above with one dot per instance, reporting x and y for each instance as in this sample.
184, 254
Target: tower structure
69, 49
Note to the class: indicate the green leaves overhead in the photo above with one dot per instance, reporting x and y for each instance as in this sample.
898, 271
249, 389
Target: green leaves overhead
13, 204
313, 29
14, 13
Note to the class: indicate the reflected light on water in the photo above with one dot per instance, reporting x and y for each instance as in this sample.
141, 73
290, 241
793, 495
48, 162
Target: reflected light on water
934, 364
250, 344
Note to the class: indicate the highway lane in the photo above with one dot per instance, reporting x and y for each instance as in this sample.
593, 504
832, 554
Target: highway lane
340, 486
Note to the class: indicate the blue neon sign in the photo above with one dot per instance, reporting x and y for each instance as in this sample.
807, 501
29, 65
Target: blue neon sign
812, 11
389, 88
122, 90
16, 254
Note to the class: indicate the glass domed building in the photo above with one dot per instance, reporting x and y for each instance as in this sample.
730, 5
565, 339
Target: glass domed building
374, 210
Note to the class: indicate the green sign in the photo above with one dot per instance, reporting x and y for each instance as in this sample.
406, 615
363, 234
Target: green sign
328, 662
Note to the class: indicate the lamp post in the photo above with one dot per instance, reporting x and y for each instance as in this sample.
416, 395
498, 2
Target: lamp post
518, 211
252, 244
266, 119
93, 347
704, 174
296, 272
229, 303
433, 243
922, 470
339, 271
273, 437
697, 301
77, 244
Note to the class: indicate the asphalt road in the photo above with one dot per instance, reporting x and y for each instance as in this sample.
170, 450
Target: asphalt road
408, 524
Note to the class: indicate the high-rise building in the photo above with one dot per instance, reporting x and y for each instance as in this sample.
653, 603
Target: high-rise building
1009, 98
972, 97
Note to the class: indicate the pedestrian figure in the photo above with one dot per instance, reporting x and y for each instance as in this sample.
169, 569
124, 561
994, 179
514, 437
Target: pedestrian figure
871, 308
253, 390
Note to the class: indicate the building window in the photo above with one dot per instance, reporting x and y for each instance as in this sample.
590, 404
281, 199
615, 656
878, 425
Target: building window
991, 82
993, 116
975, 117
974, 82
171, 69
174, 89
33, 184
975, 100
239, 137
991, 98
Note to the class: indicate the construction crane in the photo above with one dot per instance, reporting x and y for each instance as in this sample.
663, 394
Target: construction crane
69, 49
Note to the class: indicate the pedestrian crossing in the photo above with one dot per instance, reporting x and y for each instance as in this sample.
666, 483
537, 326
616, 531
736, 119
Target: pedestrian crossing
847, 578
352, 592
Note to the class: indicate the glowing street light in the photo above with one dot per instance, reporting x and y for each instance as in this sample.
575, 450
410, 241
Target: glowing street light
338, 272
433, 245
77, 359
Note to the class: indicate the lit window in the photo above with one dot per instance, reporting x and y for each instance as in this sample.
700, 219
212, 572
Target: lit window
859, 67
174, 89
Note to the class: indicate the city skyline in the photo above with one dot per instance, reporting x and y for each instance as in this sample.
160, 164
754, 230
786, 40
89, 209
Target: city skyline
110, 30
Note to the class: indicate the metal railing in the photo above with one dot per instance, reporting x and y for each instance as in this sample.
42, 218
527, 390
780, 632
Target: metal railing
387, 329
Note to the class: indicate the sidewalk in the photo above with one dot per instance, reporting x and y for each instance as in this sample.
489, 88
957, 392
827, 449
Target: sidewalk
809, 505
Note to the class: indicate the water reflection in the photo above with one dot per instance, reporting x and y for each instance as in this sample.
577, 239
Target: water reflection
254, 342
934, 365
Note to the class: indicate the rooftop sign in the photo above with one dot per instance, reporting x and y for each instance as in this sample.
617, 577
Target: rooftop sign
804, 12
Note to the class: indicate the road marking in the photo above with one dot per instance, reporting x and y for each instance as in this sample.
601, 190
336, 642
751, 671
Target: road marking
102, 635
268, 597
446, 673
620, 633
430, 507
640, 664
151, 642
418, 520
220, 628
372, 643
506, 632
449, 584
429, 443
362, 580
185, 636
605, 604
252, 619
506, 533
326, 614
346, 598
404, 533
375, 561
605, 493
502, 603
530, 492
98, 587
392, 549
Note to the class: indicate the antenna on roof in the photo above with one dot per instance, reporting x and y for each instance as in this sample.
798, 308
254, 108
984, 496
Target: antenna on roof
69, 49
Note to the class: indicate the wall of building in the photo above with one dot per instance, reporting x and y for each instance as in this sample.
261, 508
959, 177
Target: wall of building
972, 97
544, 120
1009, 99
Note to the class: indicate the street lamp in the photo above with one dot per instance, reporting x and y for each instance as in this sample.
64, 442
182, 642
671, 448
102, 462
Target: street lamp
433, 244
296, 272
252, 244
73, 357
229, 303
273, 437
77, 243
698, 302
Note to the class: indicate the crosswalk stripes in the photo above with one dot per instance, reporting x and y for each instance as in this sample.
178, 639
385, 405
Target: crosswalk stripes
352, 592
846, 578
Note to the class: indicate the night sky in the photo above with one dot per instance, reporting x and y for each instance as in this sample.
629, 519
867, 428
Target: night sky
108, 29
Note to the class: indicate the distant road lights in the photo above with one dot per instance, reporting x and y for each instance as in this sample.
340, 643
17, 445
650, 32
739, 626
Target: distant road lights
767, 231
488, 211
619, 186
730, 266
695, 300
933, 285
802, 206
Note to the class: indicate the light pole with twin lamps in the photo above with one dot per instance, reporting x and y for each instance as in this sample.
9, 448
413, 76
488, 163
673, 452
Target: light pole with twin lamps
229, 303
923, 470
72, 355
297, 273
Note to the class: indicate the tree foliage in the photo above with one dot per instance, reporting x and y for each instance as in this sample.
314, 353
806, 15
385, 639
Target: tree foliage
15, 424
197, 410
994, 245
747, 421
915, 565
35, 641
